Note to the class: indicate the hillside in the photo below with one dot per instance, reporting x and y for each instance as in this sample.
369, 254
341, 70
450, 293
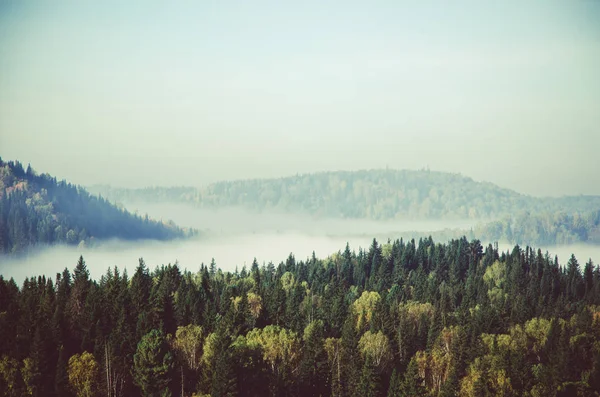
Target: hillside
374, 194
38, 209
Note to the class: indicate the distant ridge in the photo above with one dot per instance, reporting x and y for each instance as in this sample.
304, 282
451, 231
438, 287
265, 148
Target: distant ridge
380, 194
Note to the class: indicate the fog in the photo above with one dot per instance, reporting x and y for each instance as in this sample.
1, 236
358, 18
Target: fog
226, 221
229, 253
234, 237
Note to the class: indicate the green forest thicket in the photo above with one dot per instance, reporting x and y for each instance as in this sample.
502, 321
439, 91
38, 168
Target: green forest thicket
397, 319
38, 209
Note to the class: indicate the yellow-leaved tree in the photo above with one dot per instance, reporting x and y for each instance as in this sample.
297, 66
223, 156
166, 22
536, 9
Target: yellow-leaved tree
376, 347
83, 374
364, 308
280, 347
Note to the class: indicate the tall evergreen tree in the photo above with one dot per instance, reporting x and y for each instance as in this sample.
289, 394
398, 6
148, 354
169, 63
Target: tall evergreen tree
153, 365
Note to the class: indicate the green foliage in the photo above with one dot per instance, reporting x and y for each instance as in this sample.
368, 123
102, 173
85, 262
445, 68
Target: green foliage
369, 384
375, 348
9, 376
495, 278
395, 389
413, 380
364, 308
457, 319
30, 374
313, 366
153, 365
280, 347
188, 345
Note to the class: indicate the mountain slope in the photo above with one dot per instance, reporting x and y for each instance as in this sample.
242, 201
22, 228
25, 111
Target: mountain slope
374, 194
38, 209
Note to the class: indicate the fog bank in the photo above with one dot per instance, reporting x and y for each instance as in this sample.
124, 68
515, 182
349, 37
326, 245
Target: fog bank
234, 237
242, 221
229, 252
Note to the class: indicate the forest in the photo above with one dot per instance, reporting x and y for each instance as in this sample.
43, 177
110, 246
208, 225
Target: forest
392, 195
39, 210
379, 194
548, 228
401, 318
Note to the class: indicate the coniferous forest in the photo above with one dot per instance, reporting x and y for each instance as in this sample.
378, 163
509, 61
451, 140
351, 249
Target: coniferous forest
396, 195
39, 210
402, 318
379, 194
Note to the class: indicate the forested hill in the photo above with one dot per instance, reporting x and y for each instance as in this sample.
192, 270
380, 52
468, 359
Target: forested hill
400, 319
375, 194
38, 209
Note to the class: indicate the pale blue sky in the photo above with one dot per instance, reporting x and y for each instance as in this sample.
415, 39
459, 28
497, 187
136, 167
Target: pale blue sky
161, 94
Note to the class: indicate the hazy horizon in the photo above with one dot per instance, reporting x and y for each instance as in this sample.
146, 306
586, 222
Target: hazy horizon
284, 176
156, 95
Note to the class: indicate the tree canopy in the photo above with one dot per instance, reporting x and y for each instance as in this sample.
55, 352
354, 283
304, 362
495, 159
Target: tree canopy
453, 319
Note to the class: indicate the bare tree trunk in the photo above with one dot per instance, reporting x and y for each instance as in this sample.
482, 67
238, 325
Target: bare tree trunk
107, 364
121, 383
339, 371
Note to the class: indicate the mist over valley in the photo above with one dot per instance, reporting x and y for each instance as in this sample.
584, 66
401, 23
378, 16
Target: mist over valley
235, 222
234, 237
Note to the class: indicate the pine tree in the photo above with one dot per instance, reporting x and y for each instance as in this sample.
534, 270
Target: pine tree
75, 308
395, 389
588, 281
413, 383
61, 382
575, 282
141, 285
153, 365
369, 380
314, 361
594, 380
223, 381
350, 359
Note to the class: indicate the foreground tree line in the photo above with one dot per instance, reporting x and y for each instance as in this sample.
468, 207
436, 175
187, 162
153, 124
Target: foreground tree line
397, 319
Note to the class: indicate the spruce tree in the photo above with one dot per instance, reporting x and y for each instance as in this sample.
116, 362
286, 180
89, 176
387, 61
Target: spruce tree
153, 365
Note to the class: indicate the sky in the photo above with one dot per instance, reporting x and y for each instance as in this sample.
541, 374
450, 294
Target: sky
155, 93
